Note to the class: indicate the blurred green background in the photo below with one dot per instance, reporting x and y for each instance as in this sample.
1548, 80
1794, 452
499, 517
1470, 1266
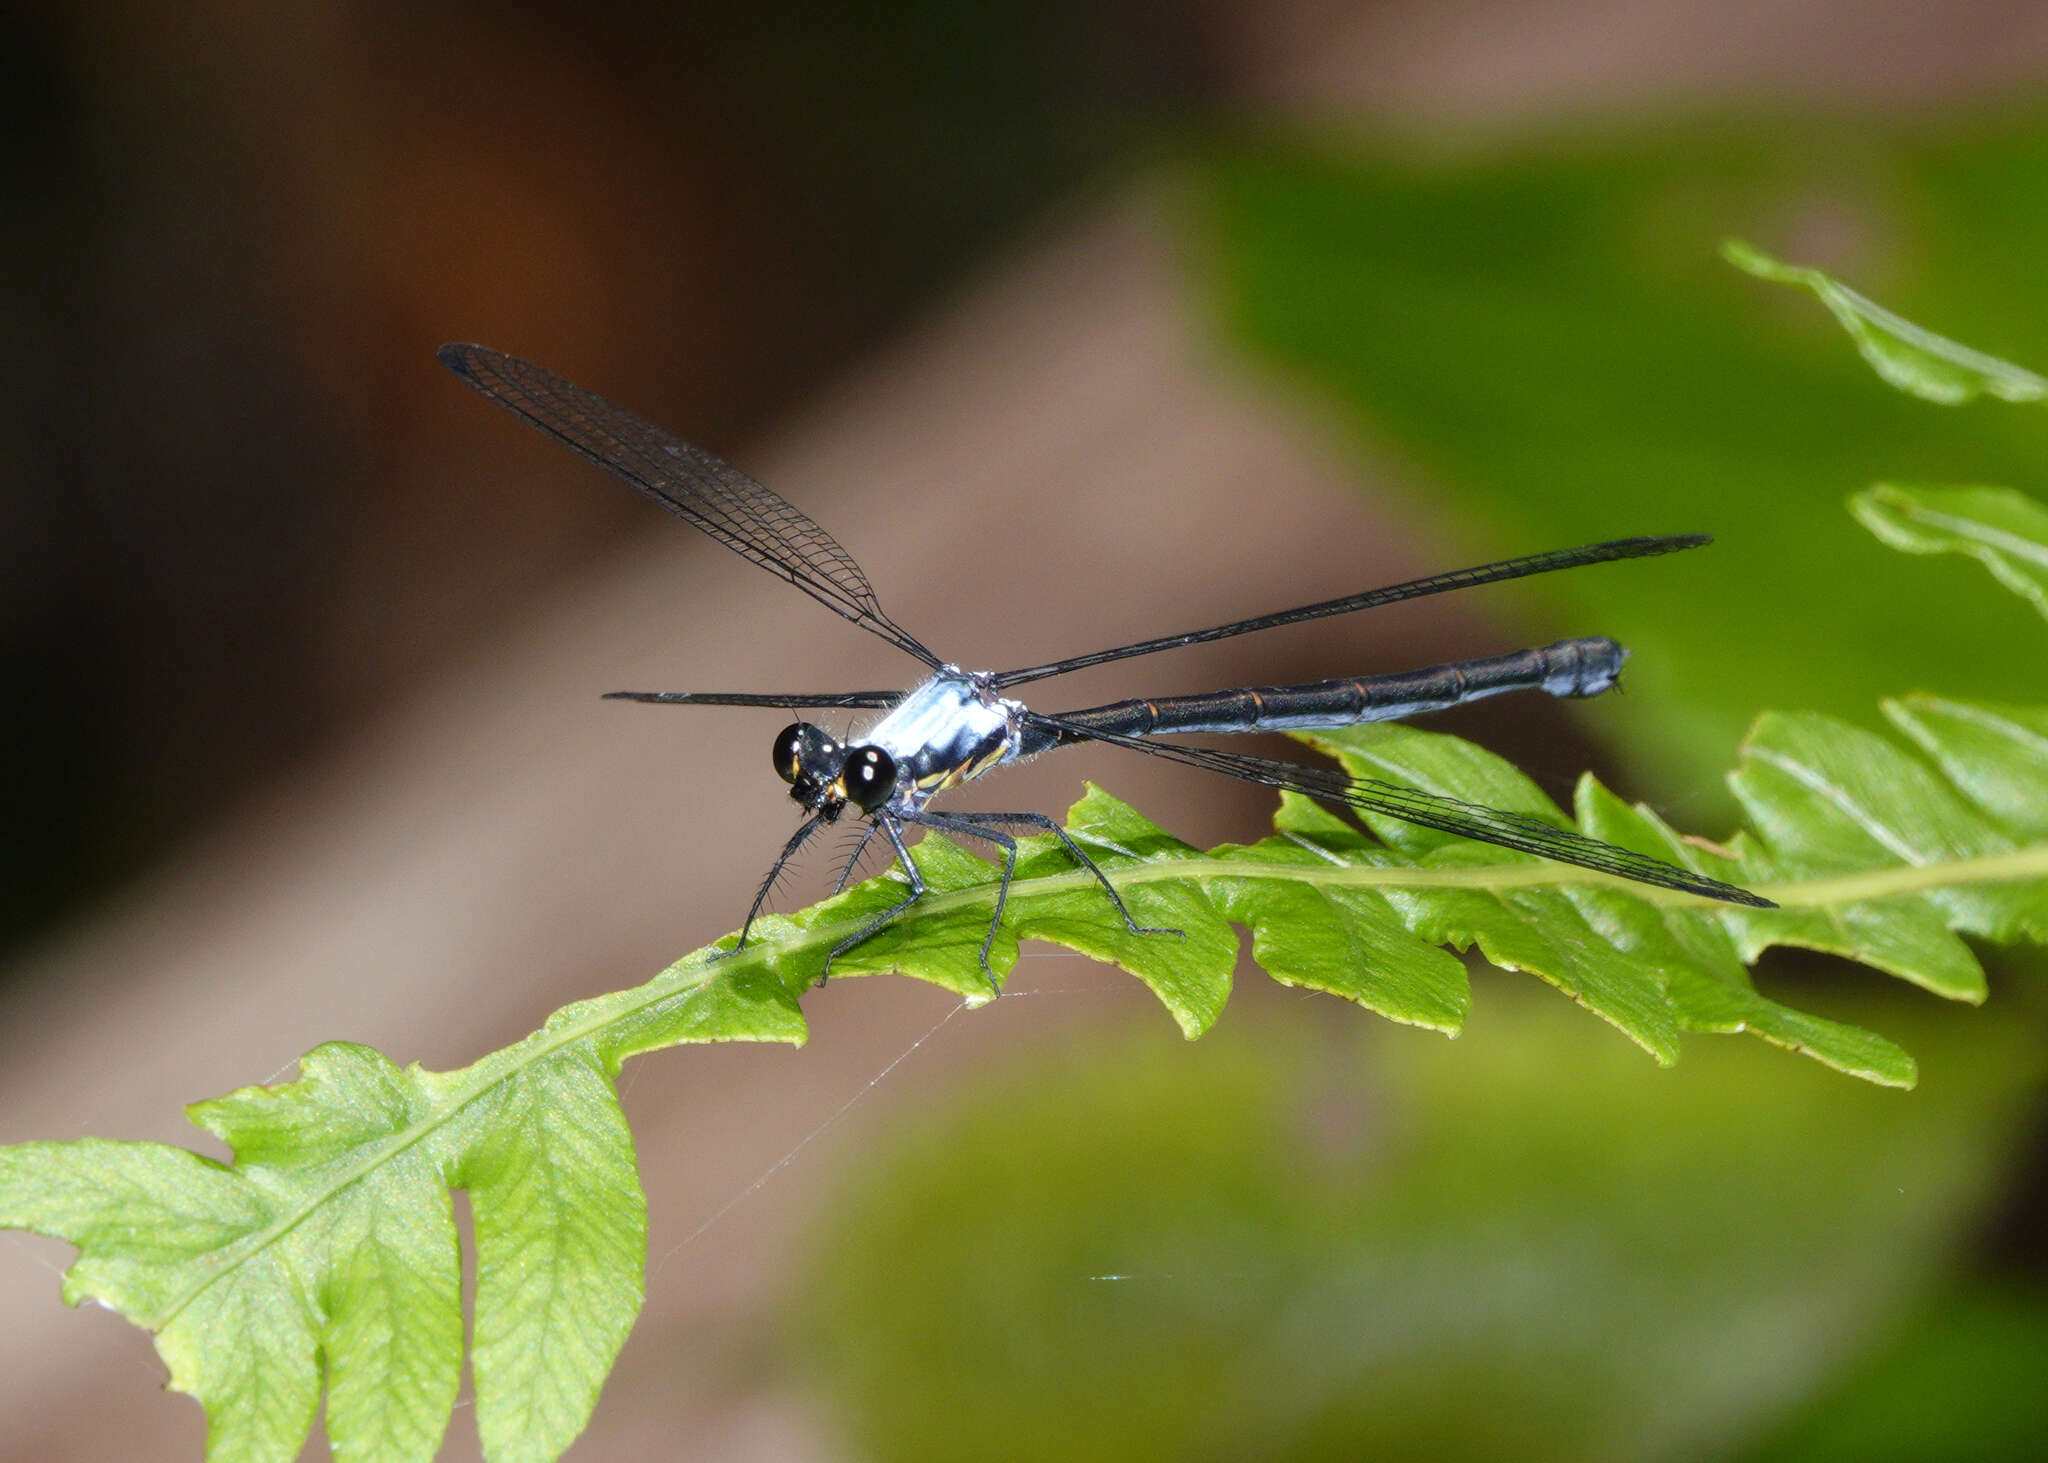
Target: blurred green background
1303, 1239
1475, 240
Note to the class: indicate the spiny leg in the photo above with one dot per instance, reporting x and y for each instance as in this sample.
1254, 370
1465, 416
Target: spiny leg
963, 823
888, 825
853, 862
796, 840
1040, 820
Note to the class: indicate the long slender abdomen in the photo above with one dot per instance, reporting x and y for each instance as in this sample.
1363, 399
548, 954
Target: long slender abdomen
1582, 667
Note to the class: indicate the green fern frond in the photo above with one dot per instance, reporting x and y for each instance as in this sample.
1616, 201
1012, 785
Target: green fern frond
329, 1242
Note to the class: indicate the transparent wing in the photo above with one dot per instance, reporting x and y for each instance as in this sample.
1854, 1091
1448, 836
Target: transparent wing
792, 700
696, 486
1448, 815
1522, 568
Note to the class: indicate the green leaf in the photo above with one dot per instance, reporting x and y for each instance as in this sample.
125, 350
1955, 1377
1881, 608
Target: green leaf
1917, 361
2004, 530
1349, 942
328, 1246
1987, 751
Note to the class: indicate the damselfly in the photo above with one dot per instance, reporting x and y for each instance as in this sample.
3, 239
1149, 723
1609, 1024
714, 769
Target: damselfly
957, 725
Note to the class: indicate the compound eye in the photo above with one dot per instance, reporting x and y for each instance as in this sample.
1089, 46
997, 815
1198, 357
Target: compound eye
797, 740
870, 777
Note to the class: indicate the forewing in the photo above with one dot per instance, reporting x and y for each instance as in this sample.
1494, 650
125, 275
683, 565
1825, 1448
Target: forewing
793, 700
705, 490
1522, 568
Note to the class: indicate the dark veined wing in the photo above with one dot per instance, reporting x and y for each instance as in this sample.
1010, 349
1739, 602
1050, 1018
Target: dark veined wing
1522, 568
791, 700
693, 484
1429, 810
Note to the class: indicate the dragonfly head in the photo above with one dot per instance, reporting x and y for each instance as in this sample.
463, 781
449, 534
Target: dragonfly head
824, 777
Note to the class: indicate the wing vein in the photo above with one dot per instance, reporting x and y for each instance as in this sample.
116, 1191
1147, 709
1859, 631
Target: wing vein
700, 488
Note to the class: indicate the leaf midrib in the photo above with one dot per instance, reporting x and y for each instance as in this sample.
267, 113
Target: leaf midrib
1977, 533
2030, 861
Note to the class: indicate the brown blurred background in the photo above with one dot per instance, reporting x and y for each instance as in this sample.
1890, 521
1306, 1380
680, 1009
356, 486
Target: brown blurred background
300, 639
243, 509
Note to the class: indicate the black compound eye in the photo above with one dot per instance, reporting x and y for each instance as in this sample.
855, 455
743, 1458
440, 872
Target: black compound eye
799, 745
786, 747
870, 777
